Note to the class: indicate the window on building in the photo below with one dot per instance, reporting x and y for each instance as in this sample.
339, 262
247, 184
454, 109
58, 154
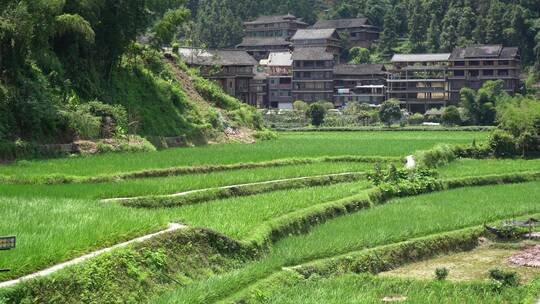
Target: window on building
459, 73
488, 62
503, 73
488, 72
459, 63
474, 63
504, 62
473, 73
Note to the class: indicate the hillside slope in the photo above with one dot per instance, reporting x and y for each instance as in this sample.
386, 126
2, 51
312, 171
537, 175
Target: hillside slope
73, 71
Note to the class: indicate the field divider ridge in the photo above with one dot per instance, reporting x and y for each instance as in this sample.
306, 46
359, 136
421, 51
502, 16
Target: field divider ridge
207, 194
52, 179
48, 271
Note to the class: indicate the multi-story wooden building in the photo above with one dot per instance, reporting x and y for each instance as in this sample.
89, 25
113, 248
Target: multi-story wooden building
280, 71
259, 88
270, 34
419, 81
233, 70
313, 78
321, 38
364, 83
359, 31
471, 67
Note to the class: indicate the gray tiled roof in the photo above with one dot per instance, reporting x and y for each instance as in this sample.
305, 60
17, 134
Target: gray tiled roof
485, 51
216, 57
260, 41
341, 23
420, 57
359, 69
275, 19
312, 53
307, 34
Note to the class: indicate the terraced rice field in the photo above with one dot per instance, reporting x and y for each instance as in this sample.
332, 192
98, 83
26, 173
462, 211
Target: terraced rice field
58, 222
396, 221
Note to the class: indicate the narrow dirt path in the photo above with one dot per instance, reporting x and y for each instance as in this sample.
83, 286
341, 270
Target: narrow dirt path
126, 199
53, 269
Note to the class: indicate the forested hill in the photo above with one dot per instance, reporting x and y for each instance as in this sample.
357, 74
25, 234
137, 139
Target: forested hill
66, 66
423, 25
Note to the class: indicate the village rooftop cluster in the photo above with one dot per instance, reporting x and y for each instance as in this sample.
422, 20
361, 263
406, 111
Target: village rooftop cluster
283, 59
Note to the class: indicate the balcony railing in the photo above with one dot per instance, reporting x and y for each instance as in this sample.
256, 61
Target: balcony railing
281, 86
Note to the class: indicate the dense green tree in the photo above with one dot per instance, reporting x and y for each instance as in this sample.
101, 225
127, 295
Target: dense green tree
317, 112
519, 34
468, 103
495, 23
449, 31
417, 27
165, 30
390, 112
451, 116
479, 32
359, 55
217, 26
466, 26
389, 35
433, 35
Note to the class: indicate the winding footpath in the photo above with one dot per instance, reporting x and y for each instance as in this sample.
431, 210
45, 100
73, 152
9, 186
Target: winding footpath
276, 181
172, 227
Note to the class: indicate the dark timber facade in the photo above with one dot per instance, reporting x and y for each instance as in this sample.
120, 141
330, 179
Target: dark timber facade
363, 83
313, 78
471, 67
359, 31
419, 81
269, 34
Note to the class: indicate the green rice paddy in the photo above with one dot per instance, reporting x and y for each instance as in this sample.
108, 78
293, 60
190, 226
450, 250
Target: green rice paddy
288, 145
55, 223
